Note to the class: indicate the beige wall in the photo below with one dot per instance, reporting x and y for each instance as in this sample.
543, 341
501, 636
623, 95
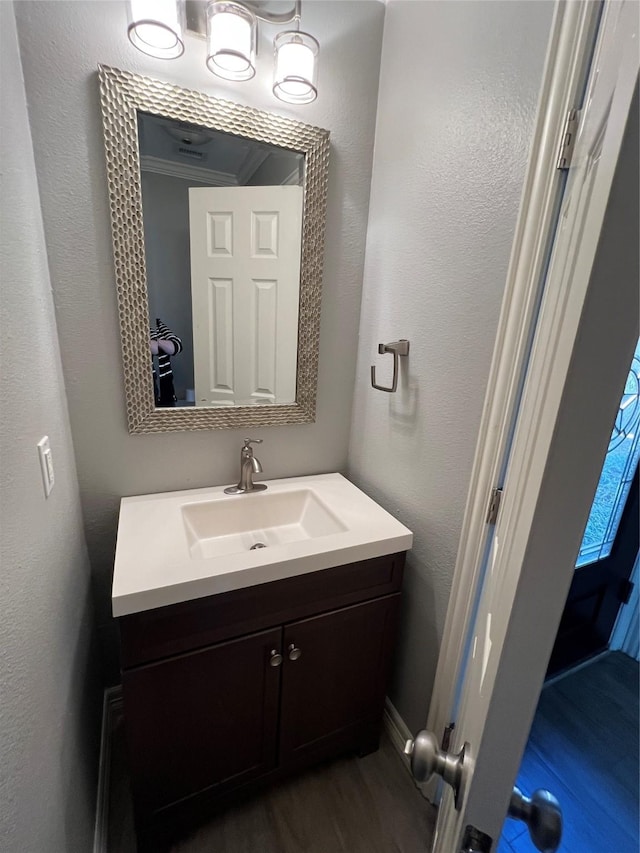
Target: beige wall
458, 90
62, 43
49, 691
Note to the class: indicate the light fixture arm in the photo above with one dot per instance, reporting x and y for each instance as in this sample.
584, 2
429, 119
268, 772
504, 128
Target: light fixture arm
274, 17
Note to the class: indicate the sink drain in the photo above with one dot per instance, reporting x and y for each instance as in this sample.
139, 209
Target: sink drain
257, 545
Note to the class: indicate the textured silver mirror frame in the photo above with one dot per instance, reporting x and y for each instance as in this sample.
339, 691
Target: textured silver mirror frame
122, 95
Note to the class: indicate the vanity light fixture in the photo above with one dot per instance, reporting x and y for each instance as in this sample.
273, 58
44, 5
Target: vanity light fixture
232, 35
231, 41
155, 27
296, 67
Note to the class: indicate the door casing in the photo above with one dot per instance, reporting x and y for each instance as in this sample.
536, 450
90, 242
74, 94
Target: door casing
551, 476
566, 67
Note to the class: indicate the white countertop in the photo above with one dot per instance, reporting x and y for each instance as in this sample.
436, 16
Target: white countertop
155, 564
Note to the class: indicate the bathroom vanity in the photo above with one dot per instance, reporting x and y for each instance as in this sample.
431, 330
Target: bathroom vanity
264, 662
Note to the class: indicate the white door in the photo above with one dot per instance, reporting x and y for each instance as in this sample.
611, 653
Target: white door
245, 278
584, 339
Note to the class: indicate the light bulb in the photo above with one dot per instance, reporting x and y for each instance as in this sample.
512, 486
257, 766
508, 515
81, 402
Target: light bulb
296, 67
231, 41
155, 27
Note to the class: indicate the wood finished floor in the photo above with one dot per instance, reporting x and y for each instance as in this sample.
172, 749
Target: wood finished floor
583, 747
352, 805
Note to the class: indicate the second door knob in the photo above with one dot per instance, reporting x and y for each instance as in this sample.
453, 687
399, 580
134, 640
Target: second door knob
294, 652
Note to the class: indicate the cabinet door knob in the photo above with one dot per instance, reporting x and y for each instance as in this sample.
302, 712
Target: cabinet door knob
294, 653
275, 658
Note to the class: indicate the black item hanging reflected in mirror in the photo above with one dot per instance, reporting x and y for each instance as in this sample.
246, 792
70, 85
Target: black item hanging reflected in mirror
164, 344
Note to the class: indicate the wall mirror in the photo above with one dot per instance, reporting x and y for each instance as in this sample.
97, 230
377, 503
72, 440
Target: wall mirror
218, 216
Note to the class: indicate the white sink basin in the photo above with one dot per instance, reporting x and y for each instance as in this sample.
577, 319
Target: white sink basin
178, 546
216, 528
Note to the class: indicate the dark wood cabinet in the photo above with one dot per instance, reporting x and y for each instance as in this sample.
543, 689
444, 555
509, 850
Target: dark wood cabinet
247, 686
204, 719
337, 685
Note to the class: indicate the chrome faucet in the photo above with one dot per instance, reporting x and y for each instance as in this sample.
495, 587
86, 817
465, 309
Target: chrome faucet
249, 466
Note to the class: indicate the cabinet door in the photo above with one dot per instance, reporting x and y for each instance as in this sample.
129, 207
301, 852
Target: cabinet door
208, 718
333, 693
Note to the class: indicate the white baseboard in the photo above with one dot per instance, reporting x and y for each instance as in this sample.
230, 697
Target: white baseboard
399, 733
111, 705
561, 675
396, 728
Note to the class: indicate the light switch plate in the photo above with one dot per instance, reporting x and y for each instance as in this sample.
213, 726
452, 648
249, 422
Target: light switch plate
46, 465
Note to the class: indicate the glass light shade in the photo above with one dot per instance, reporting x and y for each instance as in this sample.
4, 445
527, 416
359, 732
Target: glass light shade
231, 41
296, 67
155, 27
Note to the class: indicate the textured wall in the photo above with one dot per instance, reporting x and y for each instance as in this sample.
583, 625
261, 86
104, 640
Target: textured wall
61, 44
48, 710
458, 90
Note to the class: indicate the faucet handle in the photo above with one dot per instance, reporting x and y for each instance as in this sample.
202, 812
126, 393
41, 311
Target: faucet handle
249, 441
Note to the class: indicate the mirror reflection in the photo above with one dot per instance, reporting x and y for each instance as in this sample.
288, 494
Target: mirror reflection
223, 235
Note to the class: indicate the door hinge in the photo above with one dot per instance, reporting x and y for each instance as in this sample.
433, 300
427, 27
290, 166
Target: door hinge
625, 589
568, 139
475, 841
494, 506
446, 736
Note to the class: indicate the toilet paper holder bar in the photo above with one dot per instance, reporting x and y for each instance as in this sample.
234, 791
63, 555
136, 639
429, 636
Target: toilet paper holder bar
396, 348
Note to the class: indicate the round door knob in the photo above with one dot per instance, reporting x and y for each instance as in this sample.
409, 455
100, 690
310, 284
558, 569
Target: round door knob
427, 758
294, 652
542, 815
423, 752
275, 658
